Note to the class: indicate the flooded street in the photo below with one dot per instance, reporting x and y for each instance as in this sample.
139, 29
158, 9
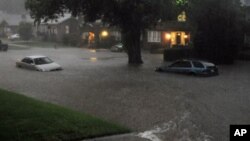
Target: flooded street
157, 106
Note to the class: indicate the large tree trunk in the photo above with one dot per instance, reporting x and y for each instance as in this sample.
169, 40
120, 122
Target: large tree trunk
131, 41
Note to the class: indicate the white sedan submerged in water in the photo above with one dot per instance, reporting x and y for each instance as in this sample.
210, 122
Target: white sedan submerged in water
39, 63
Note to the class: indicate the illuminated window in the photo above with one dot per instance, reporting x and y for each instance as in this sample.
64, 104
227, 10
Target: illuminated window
67, 29
116, 35
168, 36
154, 36
91, 37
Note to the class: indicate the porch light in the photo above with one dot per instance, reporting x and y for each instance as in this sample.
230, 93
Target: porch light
104, 33
168, 36
185, 36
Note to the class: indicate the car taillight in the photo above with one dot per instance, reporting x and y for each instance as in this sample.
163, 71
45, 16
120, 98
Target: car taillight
212, 69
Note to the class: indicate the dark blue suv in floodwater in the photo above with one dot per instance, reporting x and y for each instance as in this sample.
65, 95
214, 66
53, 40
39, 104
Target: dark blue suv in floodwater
190, 66
3, 47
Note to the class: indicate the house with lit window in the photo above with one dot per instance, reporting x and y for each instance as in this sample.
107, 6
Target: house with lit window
167, 35
98, 34
77, 32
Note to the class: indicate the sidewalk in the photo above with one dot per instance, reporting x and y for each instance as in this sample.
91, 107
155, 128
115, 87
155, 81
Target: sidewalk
16, 45
125, 137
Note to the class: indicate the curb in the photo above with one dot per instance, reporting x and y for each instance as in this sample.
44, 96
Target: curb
122, 137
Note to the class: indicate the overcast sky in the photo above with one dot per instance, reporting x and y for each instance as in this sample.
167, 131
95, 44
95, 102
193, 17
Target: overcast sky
12, 6
17, 6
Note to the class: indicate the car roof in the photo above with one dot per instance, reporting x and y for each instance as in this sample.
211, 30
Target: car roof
207, 63
191, 59
36, 56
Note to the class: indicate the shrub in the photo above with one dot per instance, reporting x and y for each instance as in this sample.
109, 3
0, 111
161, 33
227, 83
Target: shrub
71, 39
25, 30
178, 53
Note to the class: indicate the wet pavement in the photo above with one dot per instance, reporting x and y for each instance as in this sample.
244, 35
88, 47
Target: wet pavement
157, 107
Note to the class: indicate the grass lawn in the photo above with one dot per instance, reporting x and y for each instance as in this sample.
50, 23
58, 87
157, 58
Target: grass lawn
26, 119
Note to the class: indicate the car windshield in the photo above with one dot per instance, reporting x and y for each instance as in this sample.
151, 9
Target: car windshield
42, 61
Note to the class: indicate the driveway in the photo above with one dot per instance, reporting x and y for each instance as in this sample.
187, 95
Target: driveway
158, 106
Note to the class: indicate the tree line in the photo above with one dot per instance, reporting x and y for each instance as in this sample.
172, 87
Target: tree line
217, 25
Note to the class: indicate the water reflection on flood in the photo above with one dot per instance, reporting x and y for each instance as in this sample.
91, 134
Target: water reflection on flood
93, 59
92, 50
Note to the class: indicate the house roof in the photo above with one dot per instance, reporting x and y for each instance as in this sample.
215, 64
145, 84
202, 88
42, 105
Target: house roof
59, 20
172, 25
14, 19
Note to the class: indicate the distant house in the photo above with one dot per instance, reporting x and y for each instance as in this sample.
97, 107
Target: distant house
71, 28
97, 34
57, 30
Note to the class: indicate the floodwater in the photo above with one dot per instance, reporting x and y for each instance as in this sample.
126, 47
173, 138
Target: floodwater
157, 106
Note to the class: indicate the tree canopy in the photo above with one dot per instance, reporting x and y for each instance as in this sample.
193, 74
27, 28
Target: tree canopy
131, 16
218, 25
3, 24
25, 30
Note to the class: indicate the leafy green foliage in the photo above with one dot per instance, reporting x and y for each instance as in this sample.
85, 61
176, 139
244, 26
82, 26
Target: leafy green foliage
3, 25
131, 16
181, 2
218, 33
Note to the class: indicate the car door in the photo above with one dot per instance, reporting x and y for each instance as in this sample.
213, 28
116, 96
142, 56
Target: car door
198, 67
28, 63
31, 64
24, 63
185, 67
175, 67
181, 67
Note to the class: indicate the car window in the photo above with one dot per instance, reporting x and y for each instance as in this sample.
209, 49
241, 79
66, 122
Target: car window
198, 64
24, 60
27, 60
30, 61
176, 64
182, 64
42, 61
186, 64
